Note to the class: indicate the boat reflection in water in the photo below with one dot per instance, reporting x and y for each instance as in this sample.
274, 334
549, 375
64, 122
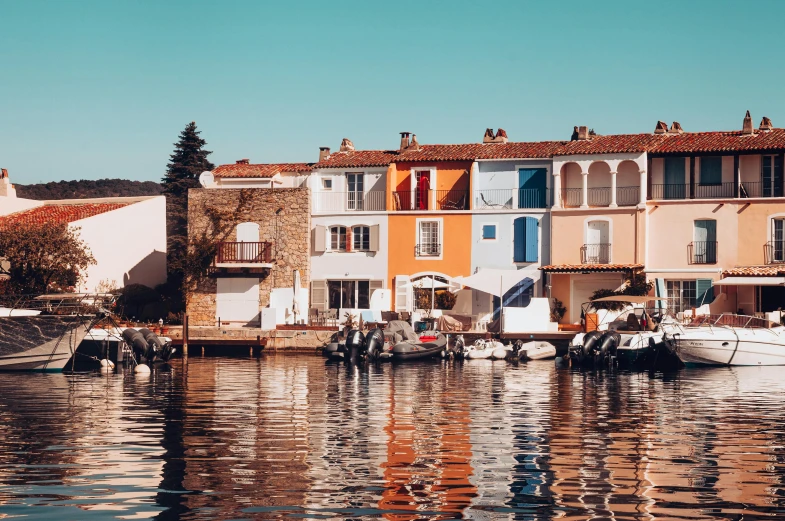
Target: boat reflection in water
290, 437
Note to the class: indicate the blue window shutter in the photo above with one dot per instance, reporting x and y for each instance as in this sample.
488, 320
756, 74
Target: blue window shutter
659, 291
489, 231
531, 239
519, 240
711, 170
704, 292
532, 187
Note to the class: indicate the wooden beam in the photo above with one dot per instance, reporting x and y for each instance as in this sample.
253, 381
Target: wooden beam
692, 177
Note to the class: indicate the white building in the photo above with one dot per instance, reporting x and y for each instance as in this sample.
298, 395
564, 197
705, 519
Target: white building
349, 231
243, 174
126, 235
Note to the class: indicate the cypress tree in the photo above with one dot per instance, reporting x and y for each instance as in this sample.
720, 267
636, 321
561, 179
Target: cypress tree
188, 160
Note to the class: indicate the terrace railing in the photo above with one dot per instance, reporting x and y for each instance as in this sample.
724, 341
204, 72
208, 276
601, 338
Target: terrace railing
628, 195
668, 191
703, 252
510, 198
244, 253
417, 200
370, 201
716, 191
599, 253
759, 189
428, 250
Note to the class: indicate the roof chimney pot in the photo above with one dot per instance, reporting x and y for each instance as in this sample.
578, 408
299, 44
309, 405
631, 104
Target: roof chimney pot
324, 153
661, 128
347, 145
583, 133
488, 137
765, 124
747, 127
243, 161
676, 128
404, 140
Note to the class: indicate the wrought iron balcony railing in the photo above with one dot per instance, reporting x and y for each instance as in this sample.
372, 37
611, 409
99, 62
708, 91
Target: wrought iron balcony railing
428, 250
599, 253
703, 252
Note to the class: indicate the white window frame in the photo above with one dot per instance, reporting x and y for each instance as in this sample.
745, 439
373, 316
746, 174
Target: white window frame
413, 185
361, 176
356, 291
367, 227
440, 228
770, 233
330, 238
610, 233
327, 184
482, 231
671, 300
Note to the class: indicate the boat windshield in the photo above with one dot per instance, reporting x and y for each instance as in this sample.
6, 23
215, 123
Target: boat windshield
732, 320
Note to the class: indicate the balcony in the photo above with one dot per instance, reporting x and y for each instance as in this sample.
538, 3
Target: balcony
703, 252
371, 201
510, 198
244, 255
760, 189
774, 252
599, 253
428, 250
601, 196
438, 200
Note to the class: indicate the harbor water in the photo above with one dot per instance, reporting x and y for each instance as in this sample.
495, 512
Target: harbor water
290, 437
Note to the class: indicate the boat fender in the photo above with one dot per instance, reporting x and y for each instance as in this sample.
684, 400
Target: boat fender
107, 363
609, 343
142, 369
374, 343
591, 342
136, 341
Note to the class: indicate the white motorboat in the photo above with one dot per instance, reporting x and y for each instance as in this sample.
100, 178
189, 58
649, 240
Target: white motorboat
730, 340
43, 333
536, 350
501, 351
482, 349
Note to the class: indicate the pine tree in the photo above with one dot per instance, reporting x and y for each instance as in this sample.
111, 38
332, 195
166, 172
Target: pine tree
185, 164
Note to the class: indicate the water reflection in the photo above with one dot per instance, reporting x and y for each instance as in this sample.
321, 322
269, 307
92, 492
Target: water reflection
290, 437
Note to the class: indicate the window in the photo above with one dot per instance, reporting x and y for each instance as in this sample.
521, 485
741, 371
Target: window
778, 240
771, 175
489, 231
348, 294
704, 247
525, 239
711, 170
327, 183
354, 195
428, 244
361, 238
674, 177
338, 238
681, 295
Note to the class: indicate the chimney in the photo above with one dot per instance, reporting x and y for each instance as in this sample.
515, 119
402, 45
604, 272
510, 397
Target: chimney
583, 133
676, 128
347, 145
6, 188
243, 161
488, 137
324, 153
414, 145
661, 128
574, 136
747, 127
404, 140
765, 124
501, 136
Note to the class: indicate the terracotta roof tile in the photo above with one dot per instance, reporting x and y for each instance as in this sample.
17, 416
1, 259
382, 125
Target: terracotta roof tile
612, 144
58, 213
472, 151
259, 171
722, 142
578, 268
358, 158
754, 271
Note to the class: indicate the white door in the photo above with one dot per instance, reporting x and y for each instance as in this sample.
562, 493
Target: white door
237, 300
584, 286
598, 242
247, 232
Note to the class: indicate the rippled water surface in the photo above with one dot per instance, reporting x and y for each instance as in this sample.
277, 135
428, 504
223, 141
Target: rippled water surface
290, 437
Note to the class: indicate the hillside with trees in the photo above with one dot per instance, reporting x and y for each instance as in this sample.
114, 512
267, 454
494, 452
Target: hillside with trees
87, 188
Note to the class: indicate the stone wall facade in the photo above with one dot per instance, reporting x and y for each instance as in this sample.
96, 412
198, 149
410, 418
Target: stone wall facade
284, 219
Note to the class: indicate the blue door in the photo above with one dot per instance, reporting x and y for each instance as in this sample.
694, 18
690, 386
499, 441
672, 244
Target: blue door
525, 239
531, 187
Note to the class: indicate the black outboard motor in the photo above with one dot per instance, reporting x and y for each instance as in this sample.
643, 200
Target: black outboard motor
609, 343
374, 343
155, 344
135, 339
355, 345
591, 345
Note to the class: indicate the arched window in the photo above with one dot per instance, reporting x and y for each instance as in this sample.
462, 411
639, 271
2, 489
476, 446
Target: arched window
338, 238
361, 238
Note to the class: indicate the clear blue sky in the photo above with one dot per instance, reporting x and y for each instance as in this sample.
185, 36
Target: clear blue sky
102, 89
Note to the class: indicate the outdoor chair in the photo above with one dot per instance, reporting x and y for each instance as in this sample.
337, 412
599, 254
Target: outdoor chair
460, 204
331, 317
486, 204
314, 318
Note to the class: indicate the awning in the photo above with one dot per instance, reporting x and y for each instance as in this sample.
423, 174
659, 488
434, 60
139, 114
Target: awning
495, 281
751, 281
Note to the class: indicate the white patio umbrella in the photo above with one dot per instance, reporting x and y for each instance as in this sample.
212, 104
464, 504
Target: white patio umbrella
497, 282
296, 296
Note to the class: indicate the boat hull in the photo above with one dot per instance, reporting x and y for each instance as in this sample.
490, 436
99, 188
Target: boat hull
406, 351
39, 343
729, 351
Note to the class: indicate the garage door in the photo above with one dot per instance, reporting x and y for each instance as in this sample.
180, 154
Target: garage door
237, 300
584, 286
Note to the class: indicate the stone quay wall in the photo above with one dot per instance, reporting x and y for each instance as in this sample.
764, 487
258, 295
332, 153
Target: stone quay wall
284, 219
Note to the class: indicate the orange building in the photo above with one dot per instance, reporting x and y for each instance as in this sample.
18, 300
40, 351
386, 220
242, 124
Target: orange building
430, 222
